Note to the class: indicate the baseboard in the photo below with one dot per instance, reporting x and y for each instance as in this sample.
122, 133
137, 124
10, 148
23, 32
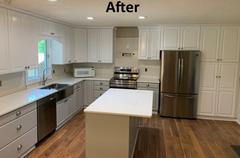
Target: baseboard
217, 118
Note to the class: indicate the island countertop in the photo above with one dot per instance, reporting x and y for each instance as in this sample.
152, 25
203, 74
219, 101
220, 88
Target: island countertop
125, 102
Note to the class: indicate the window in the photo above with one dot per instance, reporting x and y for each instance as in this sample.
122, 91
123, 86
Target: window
34, 75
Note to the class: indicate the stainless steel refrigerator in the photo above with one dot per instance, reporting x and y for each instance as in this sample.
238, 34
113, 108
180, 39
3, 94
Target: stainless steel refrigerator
179, 83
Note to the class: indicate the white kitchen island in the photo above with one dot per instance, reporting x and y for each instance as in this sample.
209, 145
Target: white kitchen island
112, 122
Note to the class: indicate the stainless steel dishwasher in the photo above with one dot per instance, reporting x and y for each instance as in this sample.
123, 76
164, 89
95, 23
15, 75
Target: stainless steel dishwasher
46, 116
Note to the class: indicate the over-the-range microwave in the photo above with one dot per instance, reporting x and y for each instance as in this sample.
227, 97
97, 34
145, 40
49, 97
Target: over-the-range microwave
84, 72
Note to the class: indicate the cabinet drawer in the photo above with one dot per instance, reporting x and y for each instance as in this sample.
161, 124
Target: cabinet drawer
101, 83
148, 85
17, 113
98, 94
17, 128
21, 145
78, 85
101, 88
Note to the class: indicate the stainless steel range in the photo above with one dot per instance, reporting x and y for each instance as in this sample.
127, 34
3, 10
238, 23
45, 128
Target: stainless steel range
125, 77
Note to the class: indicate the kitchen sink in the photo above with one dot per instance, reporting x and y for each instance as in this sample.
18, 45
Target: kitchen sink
56, 86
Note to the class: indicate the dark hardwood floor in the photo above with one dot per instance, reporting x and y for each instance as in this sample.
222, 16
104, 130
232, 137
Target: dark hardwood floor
158, 138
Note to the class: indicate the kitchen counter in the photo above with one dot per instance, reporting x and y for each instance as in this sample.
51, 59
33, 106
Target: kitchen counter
17, 100
112, 122
136, 103
72, 80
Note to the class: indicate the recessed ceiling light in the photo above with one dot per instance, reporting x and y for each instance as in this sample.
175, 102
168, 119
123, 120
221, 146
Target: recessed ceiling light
52, 0
141, 17
90, 18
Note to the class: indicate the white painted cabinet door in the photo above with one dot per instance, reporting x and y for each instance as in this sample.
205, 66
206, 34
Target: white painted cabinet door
68, 45
230, 44
60, 112
143, 44
154, 43
228, 76
16, 41
93, 45
190, 37
210, 38
106, 45
88, 92
80, 45
4, 58
208, 76
206, 102
226, 103
170, 37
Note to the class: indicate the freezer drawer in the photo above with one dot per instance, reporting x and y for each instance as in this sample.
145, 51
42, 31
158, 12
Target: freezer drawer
179, 106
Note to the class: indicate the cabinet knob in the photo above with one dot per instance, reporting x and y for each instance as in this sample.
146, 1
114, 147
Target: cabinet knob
18, 113
101, 83
19, 127
101, 88
19, 147
148, 85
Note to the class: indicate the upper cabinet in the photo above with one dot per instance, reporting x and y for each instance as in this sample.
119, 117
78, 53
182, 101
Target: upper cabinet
220, 43
23, 53
181, 37
80, 46
149, 43
4, 65
100, 45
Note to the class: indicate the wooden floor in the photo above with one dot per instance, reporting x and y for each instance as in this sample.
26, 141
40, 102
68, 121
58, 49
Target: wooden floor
158, 138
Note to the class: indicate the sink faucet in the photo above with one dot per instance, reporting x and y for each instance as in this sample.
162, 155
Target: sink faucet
44, 77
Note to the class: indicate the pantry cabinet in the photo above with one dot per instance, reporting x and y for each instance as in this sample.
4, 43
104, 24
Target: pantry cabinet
100, 45
80, 46
218, 87
220, 43
149, 43
181, 37
4, 58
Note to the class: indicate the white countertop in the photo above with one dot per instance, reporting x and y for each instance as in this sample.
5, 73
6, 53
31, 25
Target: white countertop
136, 103
149, 80
17, 100
72, 80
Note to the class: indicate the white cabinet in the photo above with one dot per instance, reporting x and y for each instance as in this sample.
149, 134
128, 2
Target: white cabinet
80, 46
79, 96
88, 92
100, 45
220, 43
218, 87
210, 38
149, 43
183, 37
23, 53
4, 58
230, 43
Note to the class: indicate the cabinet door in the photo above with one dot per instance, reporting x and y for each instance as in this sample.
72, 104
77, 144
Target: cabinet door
210, 38
154, 43
228, 73
206, 102
88, 92
60, 113
190, 37
31, 43
80, 46
106, 45
143, 44
226, 103
4, 58
170, 37
230, 44
208, 74
155, 101
93, 45
16, 42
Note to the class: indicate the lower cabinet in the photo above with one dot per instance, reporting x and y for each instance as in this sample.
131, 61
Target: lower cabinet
65, 108
18, 131
88, 92
153, 87
78, 96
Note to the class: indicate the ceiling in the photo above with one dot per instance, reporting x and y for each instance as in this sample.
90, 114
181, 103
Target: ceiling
156, 11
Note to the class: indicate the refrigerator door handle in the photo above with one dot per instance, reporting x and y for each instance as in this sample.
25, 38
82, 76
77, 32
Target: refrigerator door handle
179, 70
170, 96
181, 78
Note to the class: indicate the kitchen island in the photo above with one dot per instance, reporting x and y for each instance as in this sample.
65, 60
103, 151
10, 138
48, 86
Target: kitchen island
112, 122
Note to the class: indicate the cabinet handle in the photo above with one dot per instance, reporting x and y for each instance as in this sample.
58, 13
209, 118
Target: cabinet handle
19, 127
19, 147
101, 88
51, 98
101, 83
18, 113
148, 85
65, 100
